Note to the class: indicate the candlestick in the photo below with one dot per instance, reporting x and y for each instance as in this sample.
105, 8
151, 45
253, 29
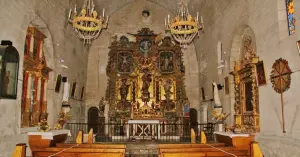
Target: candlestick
70, 12
201, 19
75, 10
168, 18
103, 12
197, 16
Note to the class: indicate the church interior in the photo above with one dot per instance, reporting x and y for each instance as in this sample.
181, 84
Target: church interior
141, 78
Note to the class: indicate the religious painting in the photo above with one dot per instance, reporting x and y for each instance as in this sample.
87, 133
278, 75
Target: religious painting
261, 76
248, 96
125, 62
290, 16
298, 46
166, 61
145, 46
58, 83
73, 89
226, 82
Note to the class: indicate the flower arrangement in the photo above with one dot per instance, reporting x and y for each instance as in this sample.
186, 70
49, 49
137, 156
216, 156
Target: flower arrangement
219, 117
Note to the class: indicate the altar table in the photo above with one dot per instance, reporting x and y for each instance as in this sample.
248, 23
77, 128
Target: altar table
232, 139
151, 126
47, 139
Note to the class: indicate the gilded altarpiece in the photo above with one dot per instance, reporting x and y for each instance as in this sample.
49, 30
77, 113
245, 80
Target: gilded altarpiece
35, 79
145, 78
246, 105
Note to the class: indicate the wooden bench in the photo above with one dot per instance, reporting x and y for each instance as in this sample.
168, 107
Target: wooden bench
78, 152
200, 150
88, 145
176, 146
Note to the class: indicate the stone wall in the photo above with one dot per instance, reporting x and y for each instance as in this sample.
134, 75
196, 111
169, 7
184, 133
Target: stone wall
128, 19
226, 20
61, 43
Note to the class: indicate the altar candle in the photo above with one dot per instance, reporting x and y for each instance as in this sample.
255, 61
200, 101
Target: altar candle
165, 21
70, 12
201, 19
103, 12
197, 16
75, 10
168, 18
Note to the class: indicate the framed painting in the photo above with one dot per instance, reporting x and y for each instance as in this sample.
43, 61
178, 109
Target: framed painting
298, 46
202, 93
226, 83
58, 83
166, 62
125, 62
73, 89
82, 92
260, 74
145, 46
290, 9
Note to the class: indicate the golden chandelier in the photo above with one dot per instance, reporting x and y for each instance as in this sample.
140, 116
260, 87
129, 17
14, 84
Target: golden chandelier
184, 27
87, 24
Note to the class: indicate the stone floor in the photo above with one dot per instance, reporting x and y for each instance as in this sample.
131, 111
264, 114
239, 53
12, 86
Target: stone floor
142, 149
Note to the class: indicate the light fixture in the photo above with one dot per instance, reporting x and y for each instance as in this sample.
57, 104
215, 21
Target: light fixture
184, 27
87, 24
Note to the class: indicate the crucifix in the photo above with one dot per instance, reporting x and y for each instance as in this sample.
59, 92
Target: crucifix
281, 80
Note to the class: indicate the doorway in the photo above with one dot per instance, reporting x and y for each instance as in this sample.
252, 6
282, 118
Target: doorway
93, 119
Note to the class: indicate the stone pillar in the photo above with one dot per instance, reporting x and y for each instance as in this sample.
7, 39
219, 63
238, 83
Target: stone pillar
26, 114
203, 112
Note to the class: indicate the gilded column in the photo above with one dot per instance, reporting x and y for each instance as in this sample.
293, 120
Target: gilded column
31, 44
37, 106
44, 106
27, 110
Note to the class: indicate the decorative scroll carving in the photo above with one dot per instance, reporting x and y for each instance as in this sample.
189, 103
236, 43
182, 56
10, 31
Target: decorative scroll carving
246, 105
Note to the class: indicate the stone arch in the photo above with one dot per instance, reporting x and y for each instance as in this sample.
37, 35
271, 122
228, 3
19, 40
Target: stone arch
236, 54
93, 114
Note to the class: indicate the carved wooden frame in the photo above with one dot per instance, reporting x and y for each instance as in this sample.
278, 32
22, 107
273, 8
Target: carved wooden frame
247, 121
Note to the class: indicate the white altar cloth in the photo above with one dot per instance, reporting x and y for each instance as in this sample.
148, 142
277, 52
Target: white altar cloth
49, 135
144, 125
231, 134
143, 121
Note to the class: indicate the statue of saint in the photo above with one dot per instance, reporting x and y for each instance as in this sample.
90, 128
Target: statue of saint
124, 89
146, 84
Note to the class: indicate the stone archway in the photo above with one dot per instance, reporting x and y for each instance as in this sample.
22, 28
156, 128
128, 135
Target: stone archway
93, 114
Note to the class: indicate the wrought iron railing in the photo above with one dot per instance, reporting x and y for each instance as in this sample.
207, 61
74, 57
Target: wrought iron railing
116, 132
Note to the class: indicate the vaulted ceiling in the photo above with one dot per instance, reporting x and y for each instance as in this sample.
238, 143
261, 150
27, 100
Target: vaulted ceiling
114, 5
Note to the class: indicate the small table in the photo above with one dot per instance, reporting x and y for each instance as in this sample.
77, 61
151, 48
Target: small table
47, 139
232, 139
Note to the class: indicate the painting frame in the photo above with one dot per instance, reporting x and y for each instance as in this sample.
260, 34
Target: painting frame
58, 83
166, 62
260, 73
73, 89
226, 84
125, 60
298, 46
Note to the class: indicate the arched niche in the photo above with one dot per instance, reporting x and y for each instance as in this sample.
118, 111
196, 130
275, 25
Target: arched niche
243, 61
93, 114
9, 67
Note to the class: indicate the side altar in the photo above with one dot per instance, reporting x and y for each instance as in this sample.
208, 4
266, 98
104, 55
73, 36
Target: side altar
146, 79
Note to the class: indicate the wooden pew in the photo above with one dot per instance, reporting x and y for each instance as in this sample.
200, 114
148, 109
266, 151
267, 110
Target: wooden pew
200, 149
78, 152
20, 150
86, 145
176, 146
